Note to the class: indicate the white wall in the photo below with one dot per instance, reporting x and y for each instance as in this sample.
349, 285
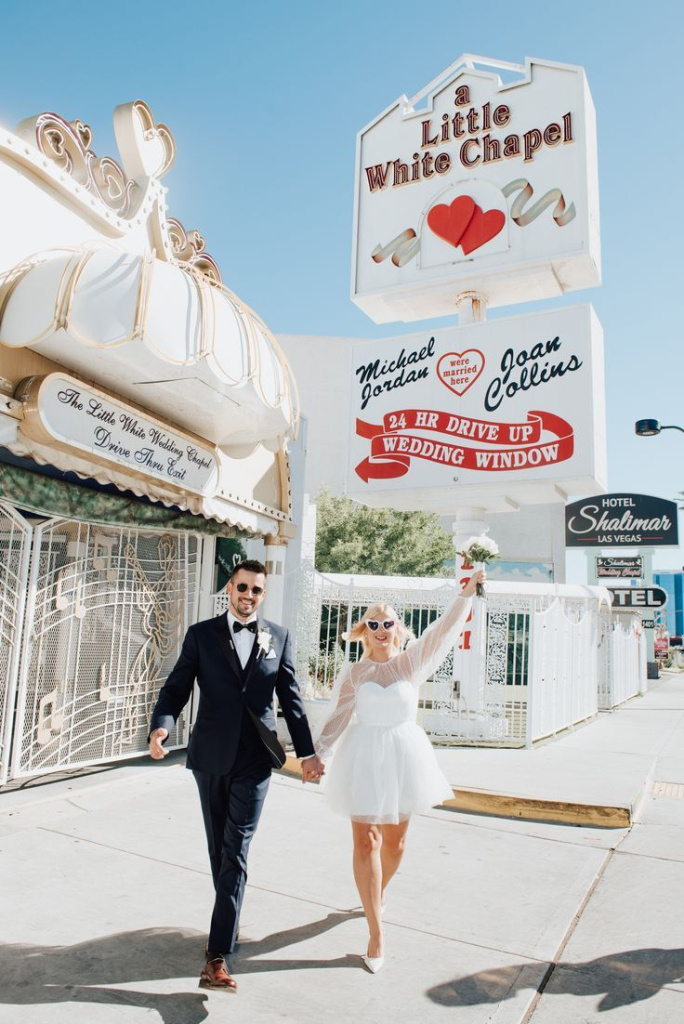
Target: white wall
322, 368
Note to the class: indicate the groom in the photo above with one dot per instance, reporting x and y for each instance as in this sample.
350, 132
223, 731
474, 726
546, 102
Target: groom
238, 661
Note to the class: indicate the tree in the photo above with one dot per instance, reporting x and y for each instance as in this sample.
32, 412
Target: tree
378, 541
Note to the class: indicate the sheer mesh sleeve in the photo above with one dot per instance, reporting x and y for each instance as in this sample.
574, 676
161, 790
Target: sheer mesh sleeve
343, 701
427, 653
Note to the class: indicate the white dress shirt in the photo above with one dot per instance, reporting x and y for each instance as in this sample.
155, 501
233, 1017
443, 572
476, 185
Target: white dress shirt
244, 640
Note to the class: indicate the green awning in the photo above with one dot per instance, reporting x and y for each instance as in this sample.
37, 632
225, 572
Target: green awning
48, 496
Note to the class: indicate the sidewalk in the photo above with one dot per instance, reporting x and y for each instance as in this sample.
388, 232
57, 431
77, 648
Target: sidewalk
106, 894
597, 774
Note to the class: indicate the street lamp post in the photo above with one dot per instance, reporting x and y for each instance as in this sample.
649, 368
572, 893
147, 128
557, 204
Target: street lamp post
649, 428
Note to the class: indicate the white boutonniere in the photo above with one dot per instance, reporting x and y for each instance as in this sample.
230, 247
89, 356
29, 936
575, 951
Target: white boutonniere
264, 640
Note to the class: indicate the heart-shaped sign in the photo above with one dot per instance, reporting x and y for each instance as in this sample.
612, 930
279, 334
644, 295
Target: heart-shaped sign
481, 228
459, 370
449, 222
464, 223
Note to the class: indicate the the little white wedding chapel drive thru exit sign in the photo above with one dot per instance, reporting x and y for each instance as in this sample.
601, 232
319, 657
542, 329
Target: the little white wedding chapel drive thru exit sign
486, 181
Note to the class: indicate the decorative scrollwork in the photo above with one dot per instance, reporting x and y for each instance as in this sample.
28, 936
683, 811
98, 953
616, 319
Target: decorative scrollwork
497, 648
147, 151
160, 625
68, 146
112, 185
188, 247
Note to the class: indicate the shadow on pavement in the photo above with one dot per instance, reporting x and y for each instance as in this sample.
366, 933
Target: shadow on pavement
82, 973
244, 960
621, 979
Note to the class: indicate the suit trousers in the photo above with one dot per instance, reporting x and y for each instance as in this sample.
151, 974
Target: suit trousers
231, 808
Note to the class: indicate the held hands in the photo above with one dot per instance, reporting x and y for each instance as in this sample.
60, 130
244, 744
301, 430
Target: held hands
313, 769
478, 577
156, 749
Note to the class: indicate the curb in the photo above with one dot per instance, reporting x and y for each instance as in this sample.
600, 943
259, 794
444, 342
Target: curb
561, 812
501, 805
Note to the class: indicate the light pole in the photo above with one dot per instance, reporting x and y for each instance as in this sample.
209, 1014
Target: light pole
649, 428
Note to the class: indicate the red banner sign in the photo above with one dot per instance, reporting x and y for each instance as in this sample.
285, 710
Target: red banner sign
393, 446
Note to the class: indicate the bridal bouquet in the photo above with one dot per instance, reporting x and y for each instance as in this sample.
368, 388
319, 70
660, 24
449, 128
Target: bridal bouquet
480, 551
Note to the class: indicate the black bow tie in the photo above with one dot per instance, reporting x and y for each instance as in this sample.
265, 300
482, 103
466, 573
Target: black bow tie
251, 626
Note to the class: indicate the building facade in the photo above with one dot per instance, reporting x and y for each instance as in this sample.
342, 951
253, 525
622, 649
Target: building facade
145, 413
672, 615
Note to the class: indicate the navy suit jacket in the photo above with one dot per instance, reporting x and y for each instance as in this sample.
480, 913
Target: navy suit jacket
209, 657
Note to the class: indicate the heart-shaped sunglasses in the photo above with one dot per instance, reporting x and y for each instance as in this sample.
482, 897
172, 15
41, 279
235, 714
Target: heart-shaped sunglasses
374, 624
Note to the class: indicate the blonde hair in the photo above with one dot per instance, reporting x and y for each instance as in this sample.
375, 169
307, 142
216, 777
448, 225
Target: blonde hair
400, 635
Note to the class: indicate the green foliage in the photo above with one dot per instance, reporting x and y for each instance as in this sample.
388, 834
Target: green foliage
379, 542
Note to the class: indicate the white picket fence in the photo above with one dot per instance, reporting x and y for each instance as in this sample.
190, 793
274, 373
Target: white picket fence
538, 659
624, 674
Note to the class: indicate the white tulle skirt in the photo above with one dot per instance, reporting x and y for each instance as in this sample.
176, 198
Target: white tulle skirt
382, 774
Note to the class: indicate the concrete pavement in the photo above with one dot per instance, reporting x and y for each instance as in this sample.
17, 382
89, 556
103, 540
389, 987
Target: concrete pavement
106, 894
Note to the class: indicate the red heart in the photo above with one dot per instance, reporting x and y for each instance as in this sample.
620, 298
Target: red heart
449, 222
481, 228
459, 370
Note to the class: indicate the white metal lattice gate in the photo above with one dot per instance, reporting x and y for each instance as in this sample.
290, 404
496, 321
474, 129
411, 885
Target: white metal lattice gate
105, 612
15, 550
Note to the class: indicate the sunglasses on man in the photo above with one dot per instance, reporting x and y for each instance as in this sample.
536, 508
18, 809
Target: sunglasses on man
242, 588
374, 624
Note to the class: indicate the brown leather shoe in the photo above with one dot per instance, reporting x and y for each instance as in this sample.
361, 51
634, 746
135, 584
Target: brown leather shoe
215, 975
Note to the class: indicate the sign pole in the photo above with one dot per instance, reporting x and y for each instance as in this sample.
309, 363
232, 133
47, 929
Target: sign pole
648, 581
472, 308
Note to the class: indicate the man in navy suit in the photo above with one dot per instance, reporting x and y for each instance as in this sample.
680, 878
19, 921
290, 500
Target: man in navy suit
238, 662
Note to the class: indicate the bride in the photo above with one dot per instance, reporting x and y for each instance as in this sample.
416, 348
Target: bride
384, 769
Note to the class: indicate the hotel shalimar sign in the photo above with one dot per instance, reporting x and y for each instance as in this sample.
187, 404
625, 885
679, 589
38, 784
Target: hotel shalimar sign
477, 184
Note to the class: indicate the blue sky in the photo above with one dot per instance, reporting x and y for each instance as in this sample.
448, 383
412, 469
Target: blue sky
265, 100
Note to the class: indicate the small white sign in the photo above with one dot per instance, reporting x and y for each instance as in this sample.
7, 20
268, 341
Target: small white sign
477, 184
492, 415
81, 417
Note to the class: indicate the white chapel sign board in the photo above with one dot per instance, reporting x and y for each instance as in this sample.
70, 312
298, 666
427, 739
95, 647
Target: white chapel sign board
59, 409
495, 414
477, 185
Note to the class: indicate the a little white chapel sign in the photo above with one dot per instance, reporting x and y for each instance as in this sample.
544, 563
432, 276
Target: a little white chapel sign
62, 409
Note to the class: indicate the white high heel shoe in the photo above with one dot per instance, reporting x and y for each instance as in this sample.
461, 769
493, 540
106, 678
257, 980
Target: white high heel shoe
373, 963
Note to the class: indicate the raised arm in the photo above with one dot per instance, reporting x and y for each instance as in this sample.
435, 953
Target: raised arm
343, 702
427, 653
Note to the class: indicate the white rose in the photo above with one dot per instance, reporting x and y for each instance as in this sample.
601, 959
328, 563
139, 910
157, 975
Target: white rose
264, 640
483, 542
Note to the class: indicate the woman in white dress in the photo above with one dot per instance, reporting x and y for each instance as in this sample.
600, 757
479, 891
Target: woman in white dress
384, 769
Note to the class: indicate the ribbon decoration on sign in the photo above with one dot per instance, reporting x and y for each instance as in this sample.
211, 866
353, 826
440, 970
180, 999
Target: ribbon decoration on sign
561, 214
440, 219
402, 249
392, 448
